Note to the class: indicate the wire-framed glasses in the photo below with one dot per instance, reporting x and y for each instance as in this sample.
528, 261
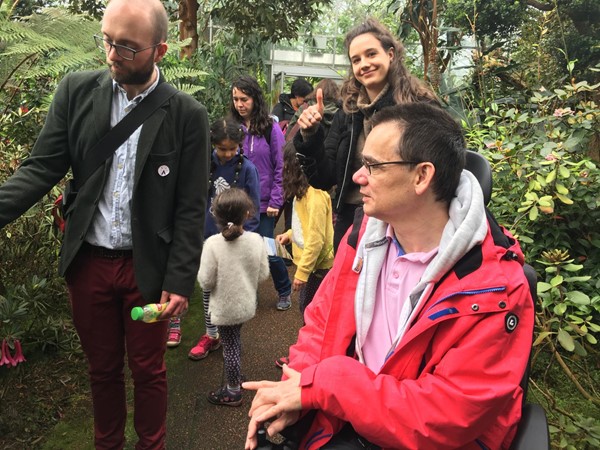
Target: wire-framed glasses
124, 52
370, 165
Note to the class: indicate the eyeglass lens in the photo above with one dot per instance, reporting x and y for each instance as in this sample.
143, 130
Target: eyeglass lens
122, 51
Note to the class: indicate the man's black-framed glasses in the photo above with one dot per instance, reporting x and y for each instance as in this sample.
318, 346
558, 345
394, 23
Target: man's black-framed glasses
370, 165
124, 52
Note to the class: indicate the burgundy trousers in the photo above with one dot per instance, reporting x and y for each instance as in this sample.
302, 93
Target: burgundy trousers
102, 292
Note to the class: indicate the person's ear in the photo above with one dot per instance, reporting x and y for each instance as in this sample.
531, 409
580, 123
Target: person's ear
424, 173
161, 51
391, 53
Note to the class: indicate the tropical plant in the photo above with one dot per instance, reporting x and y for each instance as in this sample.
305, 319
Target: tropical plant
547, 192
182, 74
269, 21
46, 44
530, 41
227, 56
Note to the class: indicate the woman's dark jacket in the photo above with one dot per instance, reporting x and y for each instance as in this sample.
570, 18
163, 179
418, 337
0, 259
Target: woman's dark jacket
328, 161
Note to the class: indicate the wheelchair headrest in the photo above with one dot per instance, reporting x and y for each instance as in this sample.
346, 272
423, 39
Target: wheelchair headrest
480, 167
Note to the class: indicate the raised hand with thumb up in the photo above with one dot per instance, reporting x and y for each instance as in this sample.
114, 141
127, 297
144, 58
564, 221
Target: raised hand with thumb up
311, 117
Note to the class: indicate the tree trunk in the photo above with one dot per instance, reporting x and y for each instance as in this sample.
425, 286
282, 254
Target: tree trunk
188, 26
434, 65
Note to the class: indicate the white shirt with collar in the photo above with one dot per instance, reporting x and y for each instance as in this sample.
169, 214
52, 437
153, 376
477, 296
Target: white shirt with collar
111, 225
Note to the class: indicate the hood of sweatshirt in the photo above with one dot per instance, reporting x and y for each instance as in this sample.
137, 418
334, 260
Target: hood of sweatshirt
466, 228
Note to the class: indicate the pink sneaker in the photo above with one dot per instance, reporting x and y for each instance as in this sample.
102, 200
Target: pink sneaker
174, 338
205, 345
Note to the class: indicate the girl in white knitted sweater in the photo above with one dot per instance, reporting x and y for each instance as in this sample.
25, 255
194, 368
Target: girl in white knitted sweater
233, 263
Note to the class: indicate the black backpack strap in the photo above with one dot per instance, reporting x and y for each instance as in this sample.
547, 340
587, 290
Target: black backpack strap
112, 140
268, 132
359, 213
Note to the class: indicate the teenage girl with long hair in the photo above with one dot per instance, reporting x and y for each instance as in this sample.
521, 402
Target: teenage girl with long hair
378, 79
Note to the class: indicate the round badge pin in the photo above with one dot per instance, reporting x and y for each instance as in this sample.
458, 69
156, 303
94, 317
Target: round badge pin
163, 170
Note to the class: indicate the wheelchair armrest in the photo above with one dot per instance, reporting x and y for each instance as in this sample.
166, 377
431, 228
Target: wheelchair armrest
532, 433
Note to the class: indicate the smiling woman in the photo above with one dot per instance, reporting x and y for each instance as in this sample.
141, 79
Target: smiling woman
378, 80
370, 62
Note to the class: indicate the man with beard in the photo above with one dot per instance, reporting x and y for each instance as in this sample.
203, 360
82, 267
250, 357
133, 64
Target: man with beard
134, 232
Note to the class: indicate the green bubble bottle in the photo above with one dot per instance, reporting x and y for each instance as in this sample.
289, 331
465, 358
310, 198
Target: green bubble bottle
149, 313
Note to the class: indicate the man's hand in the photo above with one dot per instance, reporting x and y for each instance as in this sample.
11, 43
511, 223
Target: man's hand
312, 116
178, 305
279, 401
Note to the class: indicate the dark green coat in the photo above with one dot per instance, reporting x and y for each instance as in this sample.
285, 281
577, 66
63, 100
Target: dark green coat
167, 212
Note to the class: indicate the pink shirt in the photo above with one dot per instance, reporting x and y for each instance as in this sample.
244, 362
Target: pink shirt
399, 274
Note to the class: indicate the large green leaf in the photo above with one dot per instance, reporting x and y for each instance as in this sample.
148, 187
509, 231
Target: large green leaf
578, 297
566, 340
566, 200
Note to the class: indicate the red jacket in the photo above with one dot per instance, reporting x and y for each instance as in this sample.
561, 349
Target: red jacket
453, 380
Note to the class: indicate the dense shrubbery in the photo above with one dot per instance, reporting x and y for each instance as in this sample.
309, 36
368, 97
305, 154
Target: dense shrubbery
33, 304
544, 152
547, 192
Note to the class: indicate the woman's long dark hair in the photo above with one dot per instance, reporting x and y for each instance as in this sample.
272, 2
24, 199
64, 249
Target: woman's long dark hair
295, 183
259, 117
404, 86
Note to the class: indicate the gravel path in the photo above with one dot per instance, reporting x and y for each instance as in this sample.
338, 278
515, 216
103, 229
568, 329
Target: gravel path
195, 424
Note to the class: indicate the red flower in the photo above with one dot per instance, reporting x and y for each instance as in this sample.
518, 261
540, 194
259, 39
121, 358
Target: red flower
5, 359
18, 357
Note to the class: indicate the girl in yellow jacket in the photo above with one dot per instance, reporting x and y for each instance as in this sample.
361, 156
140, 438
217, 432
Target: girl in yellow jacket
311, 234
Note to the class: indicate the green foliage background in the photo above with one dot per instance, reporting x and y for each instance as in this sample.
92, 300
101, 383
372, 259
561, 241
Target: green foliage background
529, 105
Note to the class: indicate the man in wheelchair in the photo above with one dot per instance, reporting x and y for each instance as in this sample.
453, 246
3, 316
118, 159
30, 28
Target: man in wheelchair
420, 334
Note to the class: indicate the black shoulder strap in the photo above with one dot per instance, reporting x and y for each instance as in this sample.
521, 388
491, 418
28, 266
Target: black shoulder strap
107, 145
268, 132
359, 213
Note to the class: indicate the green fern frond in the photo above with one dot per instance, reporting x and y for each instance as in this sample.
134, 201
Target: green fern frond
26, 48
190, 89
64, 63
10, 33
175, 73
56, 40
176, 46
